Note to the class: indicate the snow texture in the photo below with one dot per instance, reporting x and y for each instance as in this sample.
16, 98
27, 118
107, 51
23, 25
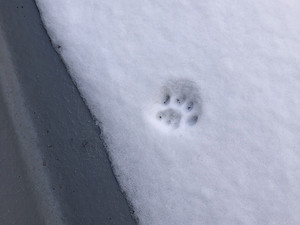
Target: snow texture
178, 104
228, 152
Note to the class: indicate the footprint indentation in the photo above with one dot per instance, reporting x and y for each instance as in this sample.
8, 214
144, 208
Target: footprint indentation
170, 117
180, 104
189, 106
180, 99
167, 99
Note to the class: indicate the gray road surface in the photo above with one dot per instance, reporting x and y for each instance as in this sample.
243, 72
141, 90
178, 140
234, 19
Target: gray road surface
53, 166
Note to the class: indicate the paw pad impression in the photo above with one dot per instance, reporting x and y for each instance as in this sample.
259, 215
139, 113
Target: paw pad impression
179, 104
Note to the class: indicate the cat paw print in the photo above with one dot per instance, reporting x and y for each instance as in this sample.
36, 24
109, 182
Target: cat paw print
179, 105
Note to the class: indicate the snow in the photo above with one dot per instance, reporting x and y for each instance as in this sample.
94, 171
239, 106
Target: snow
234, 157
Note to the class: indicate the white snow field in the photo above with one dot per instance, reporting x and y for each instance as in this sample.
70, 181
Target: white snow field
199, 102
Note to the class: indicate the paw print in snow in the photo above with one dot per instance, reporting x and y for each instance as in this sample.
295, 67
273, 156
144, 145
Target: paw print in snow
179, 104
170, 117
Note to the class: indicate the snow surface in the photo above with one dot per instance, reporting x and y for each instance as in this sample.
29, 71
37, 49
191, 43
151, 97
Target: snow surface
238, 162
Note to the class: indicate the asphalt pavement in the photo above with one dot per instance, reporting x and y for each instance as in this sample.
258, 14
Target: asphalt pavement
54, 168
